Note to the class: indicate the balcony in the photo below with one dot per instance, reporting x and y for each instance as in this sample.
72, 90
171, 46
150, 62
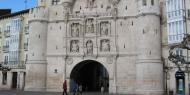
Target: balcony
7, 34
6, 49
26, 46
15, 64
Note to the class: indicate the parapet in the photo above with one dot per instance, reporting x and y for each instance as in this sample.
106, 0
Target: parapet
38, 13
148, 7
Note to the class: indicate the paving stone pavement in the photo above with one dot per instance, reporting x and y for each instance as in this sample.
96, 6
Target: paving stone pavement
16, 92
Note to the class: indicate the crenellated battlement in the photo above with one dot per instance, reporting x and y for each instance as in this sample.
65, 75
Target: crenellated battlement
148, 7
38, 13
67, 1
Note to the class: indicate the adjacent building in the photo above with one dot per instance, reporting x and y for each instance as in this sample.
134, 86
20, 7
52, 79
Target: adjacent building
14, 47
178, 21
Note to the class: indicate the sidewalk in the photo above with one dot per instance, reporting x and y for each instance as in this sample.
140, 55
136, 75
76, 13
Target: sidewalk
15, 92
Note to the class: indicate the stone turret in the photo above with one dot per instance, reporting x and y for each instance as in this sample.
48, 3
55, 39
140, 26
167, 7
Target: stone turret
149, 66
41, 2
36, 65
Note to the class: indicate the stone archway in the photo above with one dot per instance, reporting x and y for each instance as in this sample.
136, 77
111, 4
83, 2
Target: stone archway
91, 75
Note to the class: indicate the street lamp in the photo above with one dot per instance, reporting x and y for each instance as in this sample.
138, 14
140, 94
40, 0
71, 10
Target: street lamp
179, 61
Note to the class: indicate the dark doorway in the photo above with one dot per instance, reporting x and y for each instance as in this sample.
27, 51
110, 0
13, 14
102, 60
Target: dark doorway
92, 75
14, 80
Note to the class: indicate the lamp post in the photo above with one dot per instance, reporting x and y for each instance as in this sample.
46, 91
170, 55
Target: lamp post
180, 61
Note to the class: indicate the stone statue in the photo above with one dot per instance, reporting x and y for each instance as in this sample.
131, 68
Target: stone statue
105, 45
90, 3
89, 47
74, 46
90, 26
104, 29
75, 30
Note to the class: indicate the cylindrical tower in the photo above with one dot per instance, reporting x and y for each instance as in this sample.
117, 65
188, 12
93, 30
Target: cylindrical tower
36, 66
149, 67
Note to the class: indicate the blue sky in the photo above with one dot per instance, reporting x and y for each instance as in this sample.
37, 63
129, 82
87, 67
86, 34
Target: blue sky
17, 5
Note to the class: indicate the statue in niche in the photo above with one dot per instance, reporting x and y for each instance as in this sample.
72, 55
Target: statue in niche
75, 30
104, 29
90, 26
72, 29
89, 47
105, 45
74, 47
90, 3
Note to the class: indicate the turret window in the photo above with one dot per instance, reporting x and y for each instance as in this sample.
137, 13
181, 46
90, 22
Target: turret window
144, 2
152, 2
55, 2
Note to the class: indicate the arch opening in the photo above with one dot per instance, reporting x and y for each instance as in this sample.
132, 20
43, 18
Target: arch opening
92, 75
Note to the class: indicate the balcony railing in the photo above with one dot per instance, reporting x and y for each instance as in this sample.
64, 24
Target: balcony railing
15, 64
6, 49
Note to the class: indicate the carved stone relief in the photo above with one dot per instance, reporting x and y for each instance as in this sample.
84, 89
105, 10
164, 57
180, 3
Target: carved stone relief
91, 3
75, 29
114, 8
110, 60
74, 46
104, 28
90, 26
69, 60
89, 47
105, 45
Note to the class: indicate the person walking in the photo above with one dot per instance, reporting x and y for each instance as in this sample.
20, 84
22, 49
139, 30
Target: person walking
75, 88
102, 89
80, 89
65, 87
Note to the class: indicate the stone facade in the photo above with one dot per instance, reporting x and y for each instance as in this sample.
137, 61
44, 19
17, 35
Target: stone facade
128, 38
114, 33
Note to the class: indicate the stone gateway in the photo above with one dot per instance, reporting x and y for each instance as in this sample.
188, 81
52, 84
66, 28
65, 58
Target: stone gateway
95, 43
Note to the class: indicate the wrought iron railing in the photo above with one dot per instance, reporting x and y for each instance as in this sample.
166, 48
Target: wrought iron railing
179, 60
14, 64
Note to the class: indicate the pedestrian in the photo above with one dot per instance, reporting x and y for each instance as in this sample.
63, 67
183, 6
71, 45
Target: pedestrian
75, 88
102, 89
80, 89
65, 87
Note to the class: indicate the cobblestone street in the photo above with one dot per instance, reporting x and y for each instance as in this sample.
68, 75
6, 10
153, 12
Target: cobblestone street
14, 92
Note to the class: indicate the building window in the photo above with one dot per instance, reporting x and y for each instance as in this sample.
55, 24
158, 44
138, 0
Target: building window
152, 2
55, 2
179, 52
188, 12
176, 26
144, 3
4, 82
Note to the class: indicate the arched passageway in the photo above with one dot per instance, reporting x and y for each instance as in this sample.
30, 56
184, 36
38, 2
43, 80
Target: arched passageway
92, 75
